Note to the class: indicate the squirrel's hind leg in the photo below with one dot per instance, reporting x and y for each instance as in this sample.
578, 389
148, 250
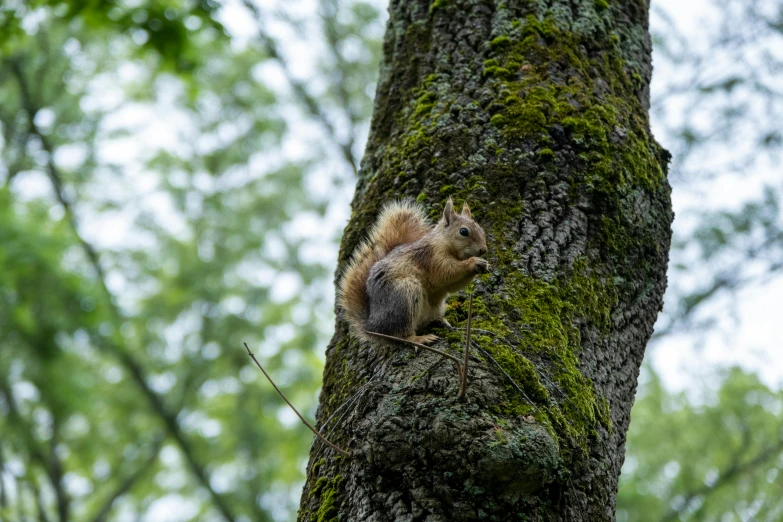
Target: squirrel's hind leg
437, 315
430, 315
395, 306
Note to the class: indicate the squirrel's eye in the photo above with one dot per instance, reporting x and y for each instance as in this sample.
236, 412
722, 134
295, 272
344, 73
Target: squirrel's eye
464, 232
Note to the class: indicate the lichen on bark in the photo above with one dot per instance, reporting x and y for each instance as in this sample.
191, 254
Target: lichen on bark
536, 114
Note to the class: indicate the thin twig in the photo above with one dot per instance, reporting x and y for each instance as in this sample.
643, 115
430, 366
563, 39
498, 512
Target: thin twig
350, 402
354, 396
463, 382
345, 405
513, 382
422, 346
315, 431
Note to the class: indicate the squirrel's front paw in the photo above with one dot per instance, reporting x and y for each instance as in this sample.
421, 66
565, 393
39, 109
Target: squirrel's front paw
481, 266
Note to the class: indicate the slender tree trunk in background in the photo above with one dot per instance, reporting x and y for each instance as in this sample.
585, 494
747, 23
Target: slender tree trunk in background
536, 113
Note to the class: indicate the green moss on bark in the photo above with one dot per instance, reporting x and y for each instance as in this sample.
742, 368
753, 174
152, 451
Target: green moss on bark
562, 397
328, 491
438, 4
542, 81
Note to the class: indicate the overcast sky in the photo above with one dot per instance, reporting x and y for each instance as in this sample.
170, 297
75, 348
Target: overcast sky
748, 338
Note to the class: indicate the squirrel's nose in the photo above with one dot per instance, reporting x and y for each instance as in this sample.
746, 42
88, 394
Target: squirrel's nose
482, 251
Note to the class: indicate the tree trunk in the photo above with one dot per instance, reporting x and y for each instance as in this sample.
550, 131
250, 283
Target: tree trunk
536, 113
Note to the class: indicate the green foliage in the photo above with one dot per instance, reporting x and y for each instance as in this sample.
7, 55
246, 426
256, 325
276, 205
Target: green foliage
714, 457
172, 30
728, 144
123, 380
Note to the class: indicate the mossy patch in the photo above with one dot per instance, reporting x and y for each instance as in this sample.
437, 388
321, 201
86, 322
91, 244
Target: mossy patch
549, 313
424, 103
500, 41
328, 490
438, 4
543, 81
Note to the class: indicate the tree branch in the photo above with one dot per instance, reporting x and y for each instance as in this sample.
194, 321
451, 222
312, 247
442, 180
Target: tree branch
463, 382
299, 88
63, 503
39, 506
120, 352
315, 431
3, 497
733, 471
421, 346
172, 425
128, 482
52, 172
329, 17
50, 463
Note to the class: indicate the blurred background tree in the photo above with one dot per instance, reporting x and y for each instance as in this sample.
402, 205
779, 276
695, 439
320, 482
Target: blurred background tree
174, 178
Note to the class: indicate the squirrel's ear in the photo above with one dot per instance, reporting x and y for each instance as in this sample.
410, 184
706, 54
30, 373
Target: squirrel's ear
448, 212
466, 210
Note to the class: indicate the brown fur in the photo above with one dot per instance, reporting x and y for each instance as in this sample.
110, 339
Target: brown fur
399, 223
414, 267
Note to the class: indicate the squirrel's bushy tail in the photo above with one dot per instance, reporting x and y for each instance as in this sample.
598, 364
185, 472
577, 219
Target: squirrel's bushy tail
399, 222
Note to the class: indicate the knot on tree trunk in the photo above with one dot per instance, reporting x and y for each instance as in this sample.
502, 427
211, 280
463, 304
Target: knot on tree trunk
419, 424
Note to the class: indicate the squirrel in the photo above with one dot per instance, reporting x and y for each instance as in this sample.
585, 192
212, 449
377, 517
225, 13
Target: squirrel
398, 279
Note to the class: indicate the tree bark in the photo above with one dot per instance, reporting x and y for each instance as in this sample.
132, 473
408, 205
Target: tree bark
535, 113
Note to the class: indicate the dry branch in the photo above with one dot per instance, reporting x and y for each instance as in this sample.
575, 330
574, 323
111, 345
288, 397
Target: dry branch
315, 431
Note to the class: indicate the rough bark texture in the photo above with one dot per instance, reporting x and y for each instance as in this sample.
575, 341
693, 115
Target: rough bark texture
536, 113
